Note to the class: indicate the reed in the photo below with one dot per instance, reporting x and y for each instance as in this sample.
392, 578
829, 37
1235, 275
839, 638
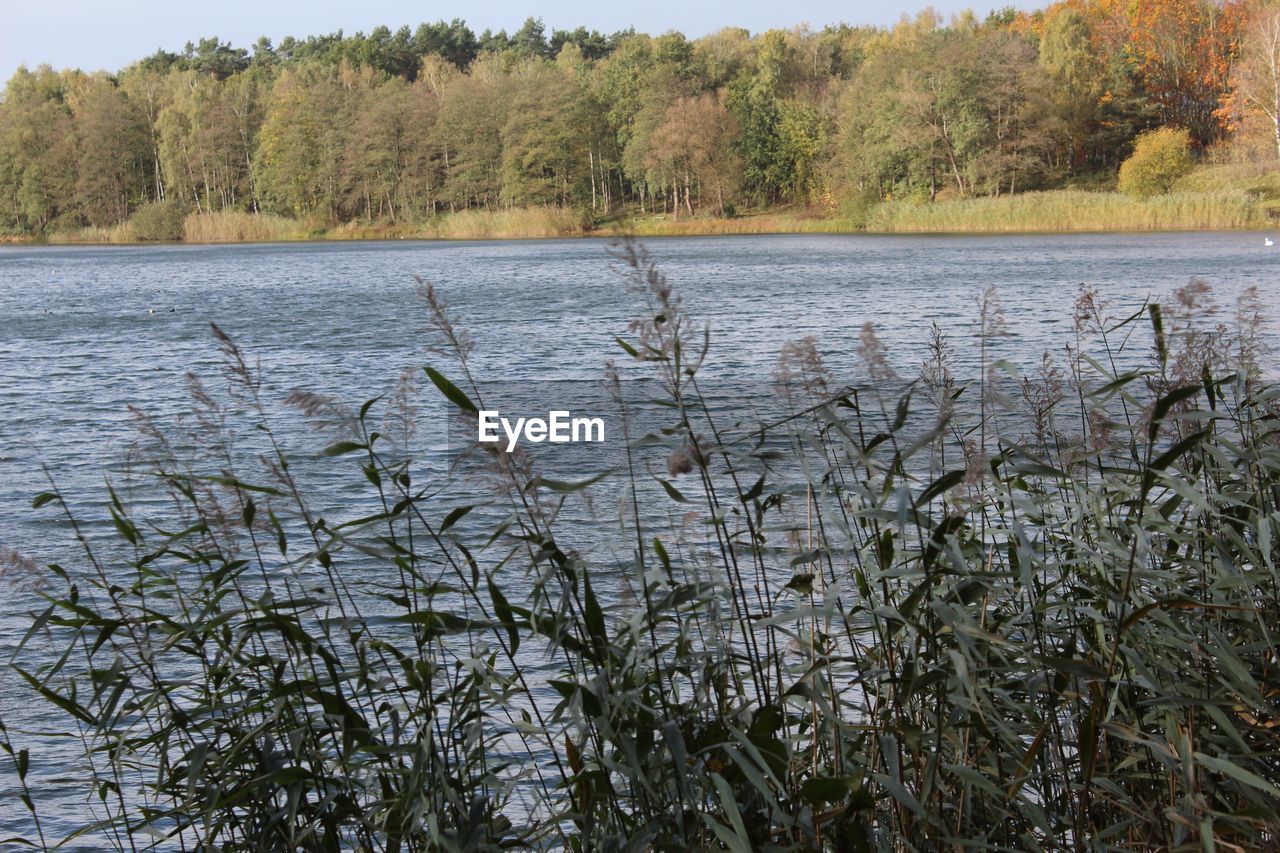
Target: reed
1020, 610
1074, 210
113, 234
237, 227
384, 229
661, 226
509, 223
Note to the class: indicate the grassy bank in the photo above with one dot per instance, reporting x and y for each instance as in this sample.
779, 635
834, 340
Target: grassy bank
1201, 206
1030, 611
1074, 210
1050, 211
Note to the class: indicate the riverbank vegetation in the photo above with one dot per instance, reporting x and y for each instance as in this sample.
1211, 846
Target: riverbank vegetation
1050, 210
939, 606
438, 131
1073, 210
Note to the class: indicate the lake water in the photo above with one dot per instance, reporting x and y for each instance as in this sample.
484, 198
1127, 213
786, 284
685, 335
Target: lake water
86, 331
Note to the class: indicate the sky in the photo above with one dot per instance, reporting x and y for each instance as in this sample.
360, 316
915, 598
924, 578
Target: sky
109, 34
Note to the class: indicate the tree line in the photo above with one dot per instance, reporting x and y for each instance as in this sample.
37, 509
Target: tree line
408, 124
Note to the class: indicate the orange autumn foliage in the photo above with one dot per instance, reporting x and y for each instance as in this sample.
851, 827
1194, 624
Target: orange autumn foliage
1182, 51
1179, 52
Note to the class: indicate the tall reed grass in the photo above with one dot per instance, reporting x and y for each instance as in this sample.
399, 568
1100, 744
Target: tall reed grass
509, 222
500, 224
220, 227
230, 226
1028, 611
755, 224
1075, 210
122, 233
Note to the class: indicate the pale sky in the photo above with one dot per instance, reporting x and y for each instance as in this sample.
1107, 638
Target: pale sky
109, 34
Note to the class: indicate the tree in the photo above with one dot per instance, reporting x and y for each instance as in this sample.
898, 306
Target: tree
779, 134
1256, 76
396, 123
1018, 110
216, 58
547, 139
966, 104
454, 42
303, 137
1183, 51
592, 44
37, 150
724, 55
531, 39
206, 132
421, 160
149, 92
112, 152
692, 152
245, 96
472, 116
389, 54
389, 164
1079, 75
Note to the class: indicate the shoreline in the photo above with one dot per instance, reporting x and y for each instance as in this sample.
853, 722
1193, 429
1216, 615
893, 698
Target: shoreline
614, 233
1064, 211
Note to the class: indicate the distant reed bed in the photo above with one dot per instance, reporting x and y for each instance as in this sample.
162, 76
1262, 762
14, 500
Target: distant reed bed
1033, 608
1201, 203
239, 227
219, 227
1074, 210
509, 223
754, 224
122, 233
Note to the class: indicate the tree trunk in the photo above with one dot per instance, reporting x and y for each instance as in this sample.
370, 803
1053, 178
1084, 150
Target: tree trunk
591, 159
1275, 122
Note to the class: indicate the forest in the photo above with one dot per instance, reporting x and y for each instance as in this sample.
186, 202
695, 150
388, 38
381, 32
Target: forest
403, 126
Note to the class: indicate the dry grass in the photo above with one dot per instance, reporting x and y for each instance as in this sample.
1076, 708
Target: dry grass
1258, 177
237, 227
379, 230
513, 222
1074, 210
122, 233
662, 226
505, 224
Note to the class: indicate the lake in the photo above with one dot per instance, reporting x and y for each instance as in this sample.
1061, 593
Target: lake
87, 331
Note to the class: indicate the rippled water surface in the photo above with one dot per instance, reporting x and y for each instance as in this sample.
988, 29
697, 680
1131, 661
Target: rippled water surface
86, 331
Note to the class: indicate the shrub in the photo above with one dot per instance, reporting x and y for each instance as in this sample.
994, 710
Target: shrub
855, 207
159, 221
1159, 158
